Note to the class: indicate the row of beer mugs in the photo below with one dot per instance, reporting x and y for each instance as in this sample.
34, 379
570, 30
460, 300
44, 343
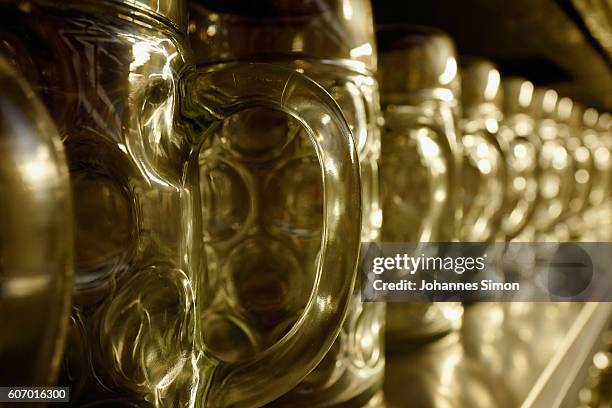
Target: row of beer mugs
218, 209
470, 156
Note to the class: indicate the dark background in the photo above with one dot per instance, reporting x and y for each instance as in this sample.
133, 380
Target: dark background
547, 41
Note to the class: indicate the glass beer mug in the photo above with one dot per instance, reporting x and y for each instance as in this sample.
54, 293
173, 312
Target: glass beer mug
555, 167
35, 238
600, 145
421, 161
138, 121
569, 120
484, 166
519, 134
332, 42
598, 136
518, 130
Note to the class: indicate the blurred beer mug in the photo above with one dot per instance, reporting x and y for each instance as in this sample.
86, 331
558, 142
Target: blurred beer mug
485, 151
420, 162
604, 131
570, 122
332, 42
518, 131
555, 167
138, 122
600, 145
484, 163
519, 134
35, 238
598, 135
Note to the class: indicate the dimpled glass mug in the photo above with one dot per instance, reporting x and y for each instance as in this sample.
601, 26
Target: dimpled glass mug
598, 137
137, 121
332, 42
35, 238
569, 121
518, 131
599, 143
421, 161
555, 168
485, 151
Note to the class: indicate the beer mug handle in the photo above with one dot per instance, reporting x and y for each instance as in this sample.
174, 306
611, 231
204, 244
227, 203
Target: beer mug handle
226, 91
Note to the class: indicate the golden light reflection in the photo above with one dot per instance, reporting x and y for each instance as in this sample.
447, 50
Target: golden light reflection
298, 43
449, 368
439, 196
549, 101
602, 155
590, 117
493, 81
582, 154
492, 125
211, 30
525, 94
565, 108
582, 176
484, 166
428, 147
25, 286
520, 151
347, 9
141, 52
364, 50
601, 360
559, 160
40, 169
519, 183
450, 72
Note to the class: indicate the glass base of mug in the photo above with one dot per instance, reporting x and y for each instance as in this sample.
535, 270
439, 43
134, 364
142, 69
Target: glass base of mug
377, 401
412, 324
352, 371
372, 397
366, 399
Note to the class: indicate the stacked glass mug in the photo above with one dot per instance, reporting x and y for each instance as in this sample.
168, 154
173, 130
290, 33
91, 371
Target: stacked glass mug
138, 121
421, 162
518, 131
333, 43
485, 164
569, 120
485, 151
597, 137
555, 182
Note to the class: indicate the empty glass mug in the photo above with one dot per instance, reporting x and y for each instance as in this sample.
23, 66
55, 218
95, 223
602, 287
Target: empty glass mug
598, 136
599, 143
519, 133
137, 121
569, 120
555, 169
484, 165
332, 42
421, 161
35, 238
604, 129
518, 130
